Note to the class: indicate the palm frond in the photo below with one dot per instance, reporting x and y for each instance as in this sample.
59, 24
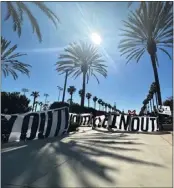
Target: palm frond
16, 11
166, 52
148, 26
81, 56
9, 63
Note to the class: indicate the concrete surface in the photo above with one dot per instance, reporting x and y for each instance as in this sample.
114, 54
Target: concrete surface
89, 158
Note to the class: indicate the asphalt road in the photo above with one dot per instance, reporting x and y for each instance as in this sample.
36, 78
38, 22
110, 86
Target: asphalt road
90, 158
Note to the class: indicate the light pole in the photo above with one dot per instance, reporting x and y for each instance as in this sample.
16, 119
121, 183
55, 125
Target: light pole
46, 95
60, 89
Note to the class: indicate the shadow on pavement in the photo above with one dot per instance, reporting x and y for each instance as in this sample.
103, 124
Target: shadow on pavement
131, 132
38, 158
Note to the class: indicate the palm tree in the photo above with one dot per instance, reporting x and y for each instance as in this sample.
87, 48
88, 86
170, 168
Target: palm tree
99, 102
46, 96
82, 58
148, 28
145, 103
88, 96
16, 11
80, 93
9, 60
154, 89
36, 103
114, 108
40, 104
149, 97
35, 95
25, 90
95, 100
71, 90
151, 93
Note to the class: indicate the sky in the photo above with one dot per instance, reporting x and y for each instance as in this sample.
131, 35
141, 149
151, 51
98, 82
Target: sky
125, 85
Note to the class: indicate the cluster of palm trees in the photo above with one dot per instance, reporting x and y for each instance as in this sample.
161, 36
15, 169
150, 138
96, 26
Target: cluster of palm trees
149, 28
151, 101
102, 105
35, 95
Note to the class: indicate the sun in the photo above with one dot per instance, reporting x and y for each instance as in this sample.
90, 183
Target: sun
96, 38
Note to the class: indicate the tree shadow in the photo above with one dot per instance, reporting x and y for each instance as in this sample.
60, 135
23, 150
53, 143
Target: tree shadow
45, 160
132, 132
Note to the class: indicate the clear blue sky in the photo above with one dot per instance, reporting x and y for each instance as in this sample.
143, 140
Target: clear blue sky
127, 85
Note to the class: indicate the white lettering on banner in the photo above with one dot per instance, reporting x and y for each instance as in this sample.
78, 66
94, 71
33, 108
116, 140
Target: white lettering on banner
29, 126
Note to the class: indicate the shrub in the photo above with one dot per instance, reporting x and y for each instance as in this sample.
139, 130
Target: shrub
77, 109
55, 105
13, 103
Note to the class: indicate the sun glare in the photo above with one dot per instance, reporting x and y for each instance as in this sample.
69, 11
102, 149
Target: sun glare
96, 38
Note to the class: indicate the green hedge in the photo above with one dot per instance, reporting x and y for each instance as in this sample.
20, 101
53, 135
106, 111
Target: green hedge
76, 108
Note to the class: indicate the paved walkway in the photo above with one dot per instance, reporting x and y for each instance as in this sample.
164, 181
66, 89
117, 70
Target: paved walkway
90, 158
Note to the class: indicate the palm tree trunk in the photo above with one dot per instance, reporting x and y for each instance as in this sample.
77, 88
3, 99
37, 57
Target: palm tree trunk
71, 99
88, 103
156, 97
64, 89
45, 99
35, 107
94, 105
40, 107
153, 102
99, 107
83, 89
33, 104
151, 105
156, 79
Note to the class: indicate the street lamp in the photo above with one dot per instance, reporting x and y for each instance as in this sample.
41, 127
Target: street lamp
60, 89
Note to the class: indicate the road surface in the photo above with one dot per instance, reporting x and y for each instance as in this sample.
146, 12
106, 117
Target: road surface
89, 158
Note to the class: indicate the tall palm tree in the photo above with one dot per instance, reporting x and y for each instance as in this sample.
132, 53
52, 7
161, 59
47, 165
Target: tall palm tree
151, 93
40, 104
114, 107
35, 95
154, 89
149, 28
71, 90
149, 97
25, 90
9, 60
99, 102
82, 58
95, 100
88, 96
46, 96
80, 93
145, 102
17, 9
